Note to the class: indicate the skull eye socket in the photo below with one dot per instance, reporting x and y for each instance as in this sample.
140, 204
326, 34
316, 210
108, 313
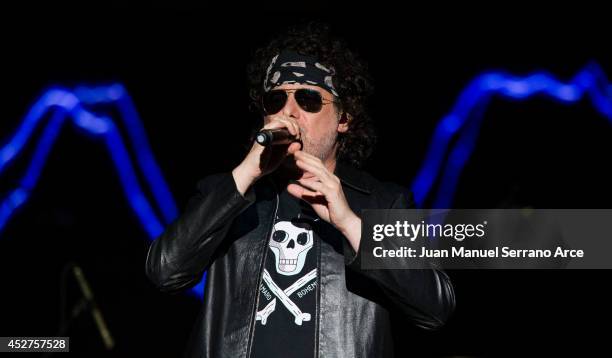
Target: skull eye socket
302, 238
279, 236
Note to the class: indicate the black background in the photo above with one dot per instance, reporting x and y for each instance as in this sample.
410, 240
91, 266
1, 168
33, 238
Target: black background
185, 65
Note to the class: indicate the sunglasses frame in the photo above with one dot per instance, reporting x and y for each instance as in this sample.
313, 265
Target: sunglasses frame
289, 91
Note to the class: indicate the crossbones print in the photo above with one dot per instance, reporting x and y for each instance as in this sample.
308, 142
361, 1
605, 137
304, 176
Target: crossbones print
290, 245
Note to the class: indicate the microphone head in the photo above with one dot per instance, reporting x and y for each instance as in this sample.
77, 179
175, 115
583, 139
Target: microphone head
263, 138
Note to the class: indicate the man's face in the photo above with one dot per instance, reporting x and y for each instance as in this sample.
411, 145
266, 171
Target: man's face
319, 131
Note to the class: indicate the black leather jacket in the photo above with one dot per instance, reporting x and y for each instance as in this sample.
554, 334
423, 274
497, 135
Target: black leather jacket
227, 234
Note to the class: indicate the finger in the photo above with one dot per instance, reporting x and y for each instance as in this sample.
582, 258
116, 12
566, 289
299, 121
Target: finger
290, 126
289, 123
299, 191
279, 122
318, 171
272, 122
315, 161
313, 185
295, 125
314, 200
294, 147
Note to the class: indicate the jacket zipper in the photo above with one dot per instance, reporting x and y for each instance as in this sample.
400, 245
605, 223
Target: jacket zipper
261, 267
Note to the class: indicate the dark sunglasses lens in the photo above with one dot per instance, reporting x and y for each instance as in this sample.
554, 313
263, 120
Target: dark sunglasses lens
309, 100
274, 101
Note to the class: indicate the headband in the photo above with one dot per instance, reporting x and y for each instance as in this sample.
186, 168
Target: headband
289, 67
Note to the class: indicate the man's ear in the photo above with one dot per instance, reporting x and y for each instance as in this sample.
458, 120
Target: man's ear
343, 123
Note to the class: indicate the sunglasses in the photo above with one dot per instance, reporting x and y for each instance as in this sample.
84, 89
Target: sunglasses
308, 99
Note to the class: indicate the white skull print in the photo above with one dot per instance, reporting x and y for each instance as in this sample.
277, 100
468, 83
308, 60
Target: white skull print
290, 245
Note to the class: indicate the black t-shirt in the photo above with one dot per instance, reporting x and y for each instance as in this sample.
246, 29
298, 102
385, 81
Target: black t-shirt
286, 315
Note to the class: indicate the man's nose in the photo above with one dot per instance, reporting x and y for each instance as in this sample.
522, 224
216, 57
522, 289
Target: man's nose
291, 109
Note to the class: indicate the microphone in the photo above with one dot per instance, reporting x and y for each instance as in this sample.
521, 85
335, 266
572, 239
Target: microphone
268, 137
109, 343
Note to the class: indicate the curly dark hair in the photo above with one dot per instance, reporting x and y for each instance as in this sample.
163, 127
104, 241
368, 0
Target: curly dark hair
352, 82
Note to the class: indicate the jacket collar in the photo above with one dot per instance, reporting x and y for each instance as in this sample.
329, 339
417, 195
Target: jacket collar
353, 178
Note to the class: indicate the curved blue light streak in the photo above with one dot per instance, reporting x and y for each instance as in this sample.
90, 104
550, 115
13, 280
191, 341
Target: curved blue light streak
590, 81
63, 103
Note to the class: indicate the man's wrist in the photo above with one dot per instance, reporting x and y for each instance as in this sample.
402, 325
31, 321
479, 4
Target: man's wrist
243, 179
351, 229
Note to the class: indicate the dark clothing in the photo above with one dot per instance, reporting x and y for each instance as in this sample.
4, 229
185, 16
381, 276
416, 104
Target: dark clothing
285, 326
227, 234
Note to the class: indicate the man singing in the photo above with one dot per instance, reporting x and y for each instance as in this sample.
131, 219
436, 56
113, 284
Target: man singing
280, 234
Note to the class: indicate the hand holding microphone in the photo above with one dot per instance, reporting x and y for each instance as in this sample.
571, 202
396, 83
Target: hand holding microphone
279, 138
